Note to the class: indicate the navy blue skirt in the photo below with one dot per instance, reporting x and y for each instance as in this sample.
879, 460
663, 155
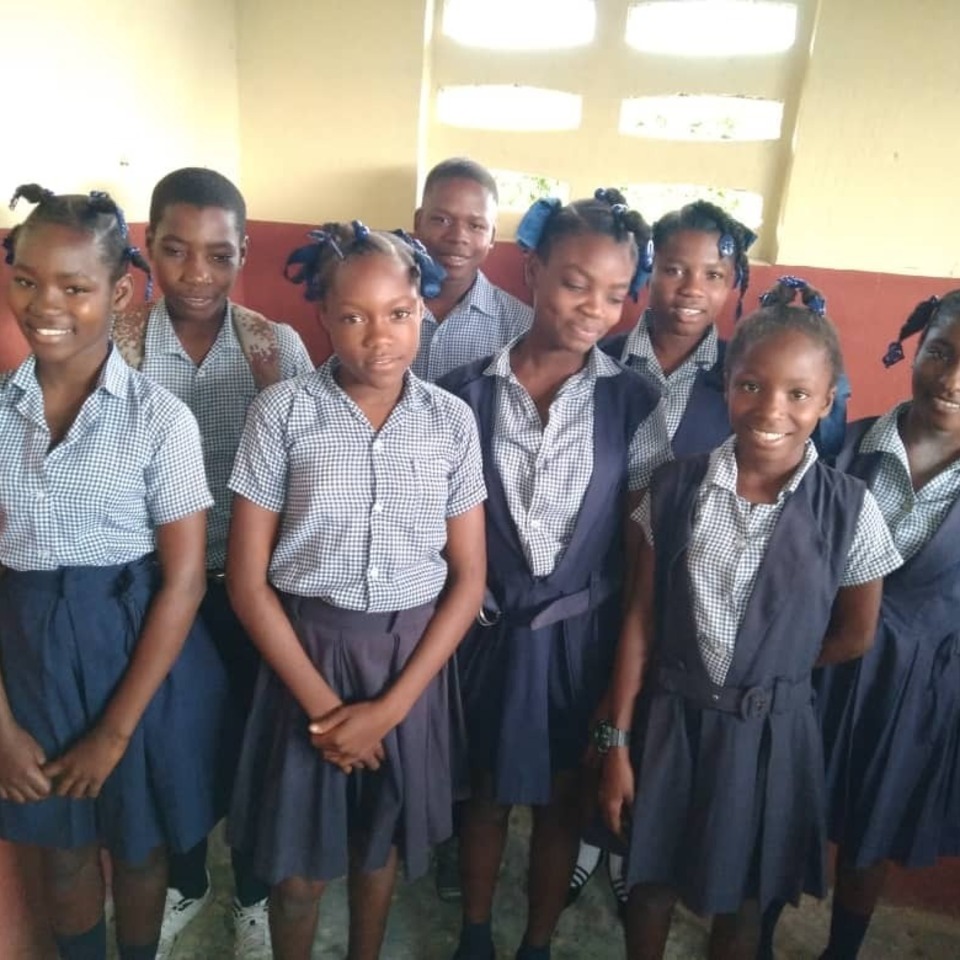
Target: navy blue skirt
66, 639
891, 725
297, 815
529, 696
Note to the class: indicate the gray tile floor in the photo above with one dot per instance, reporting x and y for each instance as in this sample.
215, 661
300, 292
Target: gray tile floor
423, 928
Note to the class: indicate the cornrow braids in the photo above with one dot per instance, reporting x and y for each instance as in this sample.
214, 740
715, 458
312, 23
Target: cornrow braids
96, 214
923, 318
705, 217
778, 313
606, 214
315, 264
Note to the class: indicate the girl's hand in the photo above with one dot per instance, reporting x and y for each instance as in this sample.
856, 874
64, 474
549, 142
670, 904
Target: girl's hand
22, 778
617, 787
350, 736
81, 771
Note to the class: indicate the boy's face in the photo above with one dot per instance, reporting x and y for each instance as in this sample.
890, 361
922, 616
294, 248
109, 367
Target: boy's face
457, 225
196, 254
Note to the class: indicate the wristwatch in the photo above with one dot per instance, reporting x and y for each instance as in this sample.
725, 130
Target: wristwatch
607, 736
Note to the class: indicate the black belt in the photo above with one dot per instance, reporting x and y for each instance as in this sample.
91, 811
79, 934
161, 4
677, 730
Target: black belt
217, 576
748, 703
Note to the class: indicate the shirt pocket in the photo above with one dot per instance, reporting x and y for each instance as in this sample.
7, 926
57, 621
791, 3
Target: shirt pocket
420, 503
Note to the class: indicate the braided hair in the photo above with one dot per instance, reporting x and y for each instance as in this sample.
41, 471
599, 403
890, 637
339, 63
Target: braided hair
95, 214
605, 213
923, 318
315, 264
704, 217
778, 313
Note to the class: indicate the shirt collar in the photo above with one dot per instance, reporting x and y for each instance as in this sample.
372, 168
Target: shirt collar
598, 364
884, 435
639, 344
114, 374
722, 468
482, 296
162, 339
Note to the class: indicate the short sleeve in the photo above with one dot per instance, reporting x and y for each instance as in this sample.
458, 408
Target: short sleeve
649, 449
261, 465
641, 516
176, 479
873, 553
467, 487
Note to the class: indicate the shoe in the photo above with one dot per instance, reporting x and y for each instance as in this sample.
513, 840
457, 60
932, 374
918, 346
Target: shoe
588, 859
251, 927
461, 954
448, 870
617, 884
178, 913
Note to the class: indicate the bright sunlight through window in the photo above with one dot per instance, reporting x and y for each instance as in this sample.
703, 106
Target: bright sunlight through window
712, 28
508, 107
520, 24
519, 190
704, 118
653, 200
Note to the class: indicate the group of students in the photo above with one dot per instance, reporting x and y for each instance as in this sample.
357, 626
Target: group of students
235, 584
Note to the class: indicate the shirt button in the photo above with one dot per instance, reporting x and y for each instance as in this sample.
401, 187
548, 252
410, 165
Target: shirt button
42, 495
534, 524
377, 446
378, 507
373, 573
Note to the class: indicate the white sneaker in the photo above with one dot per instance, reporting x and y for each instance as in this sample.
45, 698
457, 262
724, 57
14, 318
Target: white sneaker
177, 914
251, 927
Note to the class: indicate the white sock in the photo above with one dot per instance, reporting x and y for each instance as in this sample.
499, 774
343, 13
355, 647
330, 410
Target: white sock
587, 859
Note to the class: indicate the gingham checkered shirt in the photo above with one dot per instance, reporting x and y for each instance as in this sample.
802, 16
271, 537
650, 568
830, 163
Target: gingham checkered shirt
728, 542
912, 516
218, 391
485, 320
675, 387
363, 512
131, 461
545, 469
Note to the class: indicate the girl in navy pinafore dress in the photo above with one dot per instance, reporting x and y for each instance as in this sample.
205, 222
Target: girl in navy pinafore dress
106, 737
758, 562
355, 562
892, 720
700, 258
568, 433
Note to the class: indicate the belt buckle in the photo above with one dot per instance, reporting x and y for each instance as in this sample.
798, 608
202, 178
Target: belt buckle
755, 703
217, 576
490, 619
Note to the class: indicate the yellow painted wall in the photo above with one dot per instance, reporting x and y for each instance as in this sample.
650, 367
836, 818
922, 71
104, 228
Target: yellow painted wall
111, 95
330, 96
874, 178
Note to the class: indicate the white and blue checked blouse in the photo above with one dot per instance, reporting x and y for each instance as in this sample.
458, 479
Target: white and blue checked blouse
131, 461
546, 469
675, 387
912, 516
363, 512
218, 392
485, 320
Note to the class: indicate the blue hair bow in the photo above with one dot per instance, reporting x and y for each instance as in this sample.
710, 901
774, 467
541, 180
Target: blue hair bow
815, 302
432, 274
532, 225
619, 211
307, 261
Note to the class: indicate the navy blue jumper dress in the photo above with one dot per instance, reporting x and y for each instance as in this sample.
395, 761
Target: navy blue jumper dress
891, 721
705, 423
730, 794
532, 680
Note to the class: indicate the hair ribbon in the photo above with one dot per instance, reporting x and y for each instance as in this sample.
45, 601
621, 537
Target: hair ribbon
532, 225
432, 274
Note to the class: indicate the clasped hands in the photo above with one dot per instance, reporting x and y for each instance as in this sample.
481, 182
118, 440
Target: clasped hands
350, 736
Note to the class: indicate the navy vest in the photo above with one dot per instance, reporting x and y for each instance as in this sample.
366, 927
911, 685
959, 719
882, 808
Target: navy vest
705, 423
789, 608
593, 557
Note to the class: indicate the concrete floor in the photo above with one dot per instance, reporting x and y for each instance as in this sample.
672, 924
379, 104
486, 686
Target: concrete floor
423, 928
